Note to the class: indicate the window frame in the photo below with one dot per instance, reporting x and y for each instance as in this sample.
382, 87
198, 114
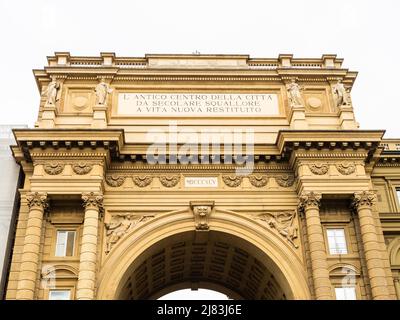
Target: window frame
329, 226
65, 249
60, 289
354, 287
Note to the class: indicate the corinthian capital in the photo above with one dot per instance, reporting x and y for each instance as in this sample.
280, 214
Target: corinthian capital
309, 199
92, 200
37, 200
363, 199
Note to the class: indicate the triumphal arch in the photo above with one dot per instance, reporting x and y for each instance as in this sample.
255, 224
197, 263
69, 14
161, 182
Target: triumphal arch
249, 176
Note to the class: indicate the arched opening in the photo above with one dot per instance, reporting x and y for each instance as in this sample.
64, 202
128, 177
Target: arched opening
198, 294
216, 260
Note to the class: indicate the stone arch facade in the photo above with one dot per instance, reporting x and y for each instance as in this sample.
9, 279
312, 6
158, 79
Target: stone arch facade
288, 267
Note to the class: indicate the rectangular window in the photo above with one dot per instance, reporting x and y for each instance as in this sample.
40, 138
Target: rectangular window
65, 243
336, 241
398, 194
345, 293
59, 295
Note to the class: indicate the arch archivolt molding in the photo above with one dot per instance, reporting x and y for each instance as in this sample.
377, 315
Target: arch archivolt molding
147, 229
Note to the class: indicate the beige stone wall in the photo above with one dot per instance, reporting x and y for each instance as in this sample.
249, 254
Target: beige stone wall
311, 149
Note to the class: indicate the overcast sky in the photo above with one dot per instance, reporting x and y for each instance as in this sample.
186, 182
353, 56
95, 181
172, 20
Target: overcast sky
364, 33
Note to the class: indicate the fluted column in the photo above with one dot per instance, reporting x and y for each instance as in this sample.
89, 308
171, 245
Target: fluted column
37, 203
362, 203
93, 204
309, 205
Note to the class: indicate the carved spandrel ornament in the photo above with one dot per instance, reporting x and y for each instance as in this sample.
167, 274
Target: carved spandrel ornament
37, 200
284, 180
142, 181
102, 90
283, 223
53, 168
363, 199
294, 93
52, 92
258, 181
319, 168
309, 200
169, 181
232, 181
120, 225
202, 212
82, 168
115, 180
93, 200
341, 95
346, 168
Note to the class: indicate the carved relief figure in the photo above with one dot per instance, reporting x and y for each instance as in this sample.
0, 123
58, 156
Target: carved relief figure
294, 94
119, 226
201, 214
53, 91
283, 223
341, 95
102, 90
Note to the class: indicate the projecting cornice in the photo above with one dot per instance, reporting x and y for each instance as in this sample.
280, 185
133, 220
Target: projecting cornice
346, 143
195, 67
32, 140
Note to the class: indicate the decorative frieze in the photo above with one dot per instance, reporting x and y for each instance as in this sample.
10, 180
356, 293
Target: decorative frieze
120, 225
283, 223
258, 181
53, 168
169, 181
319, 168
232, 181
142, 181
284, 180
82, 168
115, 180
346, 168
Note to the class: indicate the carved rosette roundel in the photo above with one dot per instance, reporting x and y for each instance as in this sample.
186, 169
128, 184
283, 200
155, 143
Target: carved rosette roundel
82, 168
258, 182
232, 181
115, 181
319, 168
284, 180
142, 181
37, 200
309, 199
169, 181
363, 199
93, 200
346, 168
53, 168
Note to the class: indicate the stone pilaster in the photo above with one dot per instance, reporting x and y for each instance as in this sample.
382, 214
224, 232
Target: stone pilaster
93, 204
397, 286
37, 203
363, 202
309, 205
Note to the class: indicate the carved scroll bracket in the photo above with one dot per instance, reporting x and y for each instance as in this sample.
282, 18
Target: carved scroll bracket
201, 211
